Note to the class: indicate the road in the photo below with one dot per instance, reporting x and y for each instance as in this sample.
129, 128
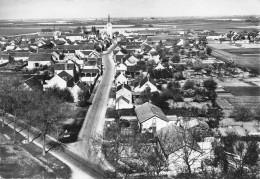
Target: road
95, 117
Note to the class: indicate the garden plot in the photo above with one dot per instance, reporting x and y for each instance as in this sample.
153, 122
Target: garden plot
231, 82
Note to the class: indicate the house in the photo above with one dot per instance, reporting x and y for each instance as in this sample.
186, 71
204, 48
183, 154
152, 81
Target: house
36, 60
159, 67
131, 61
155, 55
120, 79
123, 103
87, 54
124, 90
89, 73
147, 82
178, 144
4, 58
68, 67
61, 80
150, 117
33, 84
119, 56
121, 68
78, 87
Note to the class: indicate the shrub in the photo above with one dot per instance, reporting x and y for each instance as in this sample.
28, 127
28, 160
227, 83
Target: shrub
83, 97
189, 84
63, 94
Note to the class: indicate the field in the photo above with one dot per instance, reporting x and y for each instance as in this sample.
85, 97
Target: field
250, 62
120, 24
243, 90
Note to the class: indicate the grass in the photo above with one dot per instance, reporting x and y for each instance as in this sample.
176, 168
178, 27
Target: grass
22, 160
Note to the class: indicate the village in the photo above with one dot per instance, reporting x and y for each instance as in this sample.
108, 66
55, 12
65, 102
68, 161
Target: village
182, 103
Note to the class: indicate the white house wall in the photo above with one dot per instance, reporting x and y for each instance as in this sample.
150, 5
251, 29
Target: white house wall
157, 121
122, 104
21, 58
31, 64
56, 81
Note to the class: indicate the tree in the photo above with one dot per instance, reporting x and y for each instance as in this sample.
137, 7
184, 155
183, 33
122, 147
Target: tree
63, 94
208, 50
211, 86
214, 116
145, 96
189, 84
242, 113
45, 114
238, 158
83, 97
176, 58
179, 147
159, 100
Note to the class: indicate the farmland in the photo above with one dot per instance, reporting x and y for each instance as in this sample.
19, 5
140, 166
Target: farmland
243, 90
250, 62
8, 27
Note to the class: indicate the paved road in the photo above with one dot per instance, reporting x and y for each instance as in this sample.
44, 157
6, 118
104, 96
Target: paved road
95, 117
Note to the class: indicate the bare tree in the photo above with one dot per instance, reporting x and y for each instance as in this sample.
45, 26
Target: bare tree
180, 148
45, 113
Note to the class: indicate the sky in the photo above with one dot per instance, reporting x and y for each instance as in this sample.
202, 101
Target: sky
30, 9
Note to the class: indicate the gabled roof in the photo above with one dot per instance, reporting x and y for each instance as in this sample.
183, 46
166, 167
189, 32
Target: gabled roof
132, 59
147, 110
154, 53
64, 66
136, 68
19, 54
33, 83
146, 79
159, 66
86, 52
128, 47
90, 63
40, 57
91, 70
71, 47
123, 98
83, 85
65, 76
123, 86
173, 138
119, 53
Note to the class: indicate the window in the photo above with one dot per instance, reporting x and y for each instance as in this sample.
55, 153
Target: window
88, 75
36, 64
82, 75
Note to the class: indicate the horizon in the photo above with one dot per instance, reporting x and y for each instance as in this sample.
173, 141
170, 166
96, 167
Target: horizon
134, 17
98, 9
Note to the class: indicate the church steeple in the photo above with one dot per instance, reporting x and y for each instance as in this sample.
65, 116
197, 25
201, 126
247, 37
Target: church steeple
108, 19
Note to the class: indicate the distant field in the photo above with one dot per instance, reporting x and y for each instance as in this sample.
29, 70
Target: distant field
251, 62
243, 90
21, 27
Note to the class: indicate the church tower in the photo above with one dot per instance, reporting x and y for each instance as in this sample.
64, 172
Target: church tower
109, 27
